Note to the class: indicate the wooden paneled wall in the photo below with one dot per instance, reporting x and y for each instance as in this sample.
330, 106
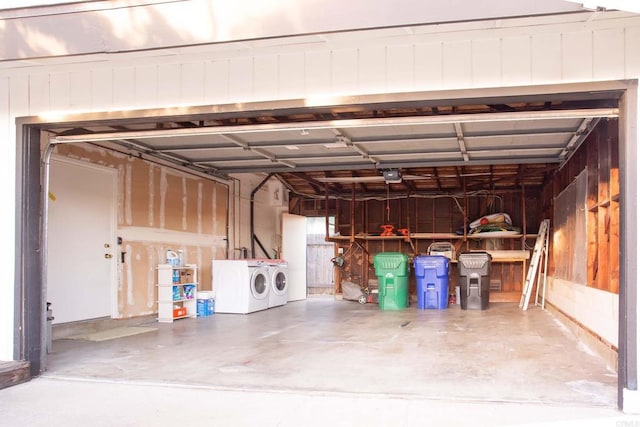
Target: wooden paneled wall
445, 214
599, 156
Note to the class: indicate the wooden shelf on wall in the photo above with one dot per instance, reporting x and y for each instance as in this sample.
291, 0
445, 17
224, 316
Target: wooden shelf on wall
430, 236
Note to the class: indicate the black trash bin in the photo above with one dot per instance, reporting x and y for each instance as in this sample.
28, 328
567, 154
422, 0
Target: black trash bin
474, 268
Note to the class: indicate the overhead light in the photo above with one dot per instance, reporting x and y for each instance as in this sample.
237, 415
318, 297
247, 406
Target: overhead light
392, 176
337, 144
341, 142
292, 147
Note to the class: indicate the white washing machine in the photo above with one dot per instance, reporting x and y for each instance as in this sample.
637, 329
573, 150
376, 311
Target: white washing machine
278, 275
240, 286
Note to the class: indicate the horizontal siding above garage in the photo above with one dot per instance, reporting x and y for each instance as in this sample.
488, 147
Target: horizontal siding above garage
338, 64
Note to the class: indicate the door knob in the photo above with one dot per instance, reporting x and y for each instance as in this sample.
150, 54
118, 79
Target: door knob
108, 256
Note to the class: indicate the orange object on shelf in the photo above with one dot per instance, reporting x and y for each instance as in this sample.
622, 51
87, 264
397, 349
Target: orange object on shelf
179, 312
403, 231
387, 230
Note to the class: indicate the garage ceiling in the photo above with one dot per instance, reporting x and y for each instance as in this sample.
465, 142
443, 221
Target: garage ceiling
423, 146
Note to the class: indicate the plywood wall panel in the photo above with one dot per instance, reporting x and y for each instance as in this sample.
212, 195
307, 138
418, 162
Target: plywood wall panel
171, 192
133, 298
220, 209
603, 228
204, 209
598, 156
614, 248
191, 205
140, 195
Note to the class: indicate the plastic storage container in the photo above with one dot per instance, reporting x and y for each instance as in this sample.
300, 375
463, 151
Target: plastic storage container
205, 304
432, 281
392, 271
474, 268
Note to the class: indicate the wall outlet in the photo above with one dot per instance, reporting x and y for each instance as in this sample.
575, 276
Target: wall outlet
340, 251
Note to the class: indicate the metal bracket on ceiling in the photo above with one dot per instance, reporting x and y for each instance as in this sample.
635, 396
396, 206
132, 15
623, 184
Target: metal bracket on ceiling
461, 143
577, 139
263, 153
345, 141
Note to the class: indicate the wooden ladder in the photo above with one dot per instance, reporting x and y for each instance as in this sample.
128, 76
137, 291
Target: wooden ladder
540, 250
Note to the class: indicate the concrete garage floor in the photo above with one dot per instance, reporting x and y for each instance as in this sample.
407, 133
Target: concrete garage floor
325, 360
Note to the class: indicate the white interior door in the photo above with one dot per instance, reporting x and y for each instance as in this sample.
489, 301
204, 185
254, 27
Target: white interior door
294, 251
82, 250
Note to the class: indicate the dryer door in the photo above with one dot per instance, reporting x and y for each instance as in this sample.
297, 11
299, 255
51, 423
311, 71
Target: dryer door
260, 283
279, 281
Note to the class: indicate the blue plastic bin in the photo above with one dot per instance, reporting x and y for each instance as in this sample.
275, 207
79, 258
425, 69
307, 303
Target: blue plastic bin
432, 281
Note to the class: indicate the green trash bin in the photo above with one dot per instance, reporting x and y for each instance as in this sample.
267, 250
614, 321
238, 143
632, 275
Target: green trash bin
392, 271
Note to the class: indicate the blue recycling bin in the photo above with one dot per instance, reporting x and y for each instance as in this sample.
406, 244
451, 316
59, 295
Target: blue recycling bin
432, 281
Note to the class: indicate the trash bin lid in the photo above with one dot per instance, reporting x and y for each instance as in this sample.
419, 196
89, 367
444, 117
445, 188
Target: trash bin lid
474, 259
390, 261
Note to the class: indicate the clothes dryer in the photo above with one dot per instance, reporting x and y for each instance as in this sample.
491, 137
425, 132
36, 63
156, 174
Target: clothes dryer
240, 286
279, 280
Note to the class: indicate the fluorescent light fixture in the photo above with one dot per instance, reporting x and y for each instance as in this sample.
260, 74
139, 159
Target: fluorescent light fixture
338, 144
292, 147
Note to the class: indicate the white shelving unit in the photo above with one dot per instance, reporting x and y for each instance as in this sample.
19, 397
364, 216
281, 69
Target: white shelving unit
177, 289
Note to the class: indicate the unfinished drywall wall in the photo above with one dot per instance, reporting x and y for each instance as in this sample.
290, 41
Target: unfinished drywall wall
159, 208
